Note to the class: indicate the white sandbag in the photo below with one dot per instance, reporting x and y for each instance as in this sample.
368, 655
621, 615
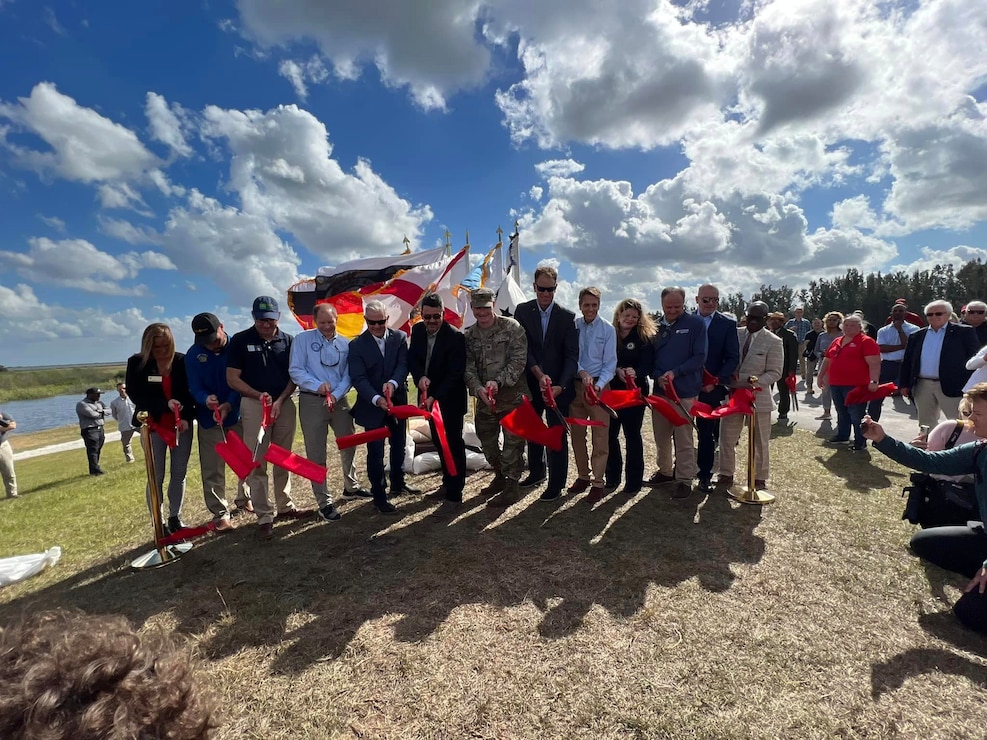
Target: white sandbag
470, 435
409, 455
20, 567
427, 462
476, 461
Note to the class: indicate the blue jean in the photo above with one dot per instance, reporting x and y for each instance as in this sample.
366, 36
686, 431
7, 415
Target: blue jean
847, 416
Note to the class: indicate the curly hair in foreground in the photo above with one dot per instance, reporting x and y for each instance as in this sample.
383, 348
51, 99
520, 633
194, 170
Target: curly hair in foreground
70, 675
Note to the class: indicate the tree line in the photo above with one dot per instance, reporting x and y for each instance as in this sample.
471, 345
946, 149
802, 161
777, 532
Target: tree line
874, 294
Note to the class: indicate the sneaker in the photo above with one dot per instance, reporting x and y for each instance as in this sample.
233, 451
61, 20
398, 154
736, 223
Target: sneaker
578, 487
596, 495
295, 514
682, 491
360, 492
705, 485
660, 478
448, 510
265, 531
531, 480
406, 490
329, 513
824, 417
550, 494
223, 525
837, 441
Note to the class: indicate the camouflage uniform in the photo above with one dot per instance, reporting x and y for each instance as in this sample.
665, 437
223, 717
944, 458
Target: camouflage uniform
499, 354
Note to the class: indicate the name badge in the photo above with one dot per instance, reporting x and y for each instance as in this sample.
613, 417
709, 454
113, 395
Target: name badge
153, 378
681, 331
253, 348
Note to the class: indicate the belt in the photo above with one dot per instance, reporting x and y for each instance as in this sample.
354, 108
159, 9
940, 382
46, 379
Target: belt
309, 393
922, 377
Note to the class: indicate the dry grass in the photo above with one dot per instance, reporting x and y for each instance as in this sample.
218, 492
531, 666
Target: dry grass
637, 618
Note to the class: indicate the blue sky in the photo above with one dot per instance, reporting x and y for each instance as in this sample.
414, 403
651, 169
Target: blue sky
161, 159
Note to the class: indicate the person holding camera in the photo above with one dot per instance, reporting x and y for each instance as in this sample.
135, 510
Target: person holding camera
961, 549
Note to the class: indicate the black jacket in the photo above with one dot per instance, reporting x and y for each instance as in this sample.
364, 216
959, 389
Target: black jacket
958, 346
447, 371
145, 388
558, 354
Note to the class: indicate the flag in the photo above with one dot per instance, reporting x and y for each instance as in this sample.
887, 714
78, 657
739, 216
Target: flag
451, 288
509, 296
514, 255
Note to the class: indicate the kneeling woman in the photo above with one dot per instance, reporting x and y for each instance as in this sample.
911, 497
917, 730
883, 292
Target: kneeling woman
960, 549
158, 384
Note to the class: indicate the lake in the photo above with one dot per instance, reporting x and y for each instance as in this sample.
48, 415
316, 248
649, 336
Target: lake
46, 413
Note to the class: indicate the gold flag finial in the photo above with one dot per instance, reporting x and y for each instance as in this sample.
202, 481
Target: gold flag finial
500, 235
407, 244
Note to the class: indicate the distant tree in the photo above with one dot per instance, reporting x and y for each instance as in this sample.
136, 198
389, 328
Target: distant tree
778, 299
972, 280
734, 303
3, 368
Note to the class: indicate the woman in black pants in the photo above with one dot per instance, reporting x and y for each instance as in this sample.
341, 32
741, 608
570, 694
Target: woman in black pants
961, 549
636, 333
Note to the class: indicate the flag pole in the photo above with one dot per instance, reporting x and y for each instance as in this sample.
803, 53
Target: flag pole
514, 250
448, 237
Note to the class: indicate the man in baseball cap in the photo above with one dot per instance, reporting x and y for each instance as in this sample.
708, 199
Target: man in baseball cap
265, 307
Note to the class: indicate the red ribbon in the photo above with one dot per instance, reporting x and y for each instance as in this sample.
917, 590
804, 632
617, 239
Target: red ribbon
741, 402
237, 455
362, 438
622, 399
584, 422
406, 411
387, 394
186, 533
296, 463
525, 422
790, 381
664, 407
861, 394
167, 429
440, 432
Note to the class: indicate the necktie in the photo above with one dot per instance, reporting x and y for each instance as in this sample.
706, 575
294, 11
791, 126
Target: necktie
747, 346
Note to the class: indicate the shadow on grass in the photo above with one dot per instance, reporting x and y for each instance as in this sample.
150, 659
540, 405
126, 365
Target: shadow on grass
313, 587
891, 675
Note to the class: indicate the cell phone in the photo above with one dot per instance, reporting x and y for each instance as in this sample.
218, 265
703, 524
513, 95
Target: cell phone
924, 429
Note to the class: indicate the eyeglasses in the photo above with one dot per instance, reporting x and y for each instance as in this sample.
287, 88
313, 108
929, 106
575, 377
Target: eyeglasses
935, 313
432, 317
972, 311
266, 321
378, 322
543, 289
329, 355
755, 318
711, 300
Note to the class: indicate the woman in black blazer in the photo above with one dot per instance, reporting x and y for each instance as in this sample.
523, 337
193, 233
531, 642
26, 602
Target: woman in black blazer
636, 333
158, 384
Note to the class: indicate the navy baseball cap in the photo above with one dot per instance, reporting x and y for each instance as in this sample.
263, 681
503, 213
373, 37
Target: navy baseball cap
265, 307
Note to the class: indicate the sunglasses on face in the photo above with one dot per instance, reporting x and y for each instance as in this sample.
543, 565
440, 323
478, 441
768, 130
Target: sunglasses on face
711, 300
935, 313
968, 311
378, 322
432, 317
756, 318
543, 289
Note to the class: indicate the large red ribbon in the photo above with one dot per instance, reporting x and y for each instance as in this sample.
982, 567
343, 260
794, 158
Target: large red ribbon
861, 394
362, 438
166, 428
525, 422
296, 463
406, 411
664, 407
622, 399
440, 432
237, 455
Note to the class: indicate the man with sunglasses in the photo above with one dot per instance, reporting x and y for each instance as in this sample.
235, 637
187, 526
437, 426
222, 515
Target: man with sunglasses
378, 364
762, 355
933, 370
205, 365
437, 361
973, 314
257, 369
722, 356
891, 340
553, 358
319, 367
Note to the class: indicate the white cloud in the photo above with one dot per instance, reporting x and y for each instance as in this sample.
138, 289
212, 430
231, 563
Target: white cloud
77, 264
167, 123
428, 47
298, 73
85, 146
51, 20
53, 221
126, 231
955, 256
559, 168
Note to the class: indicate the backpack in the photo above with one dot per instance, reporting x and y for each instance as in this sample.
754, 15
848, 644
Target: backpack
932, 502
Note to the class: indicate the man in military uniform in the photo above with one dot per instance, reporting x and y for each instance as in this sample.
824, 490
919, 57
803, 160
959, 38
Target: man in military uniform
496, 352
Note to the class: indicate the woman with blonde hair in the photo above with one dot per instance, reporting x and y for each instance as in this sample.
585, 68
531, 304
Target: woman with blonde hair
158, 384
832, 322
636, 332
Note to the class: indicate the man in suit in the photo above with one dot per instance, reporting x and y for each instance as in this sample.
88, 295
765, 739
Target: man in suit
762, 355
722, 356
790, 347
553, 356
379, 358
974, 314
437, 360
933, 371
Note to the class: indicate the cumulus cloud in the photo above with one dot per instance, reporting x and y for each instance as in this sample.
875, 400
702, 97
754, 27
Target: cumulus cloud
77, 264
301, 73
929, 258
167, 123
430, 48
559, 168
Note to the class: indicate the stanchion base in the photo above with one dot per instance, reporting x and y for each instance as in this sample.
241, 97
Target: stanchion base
161, 556
756, 497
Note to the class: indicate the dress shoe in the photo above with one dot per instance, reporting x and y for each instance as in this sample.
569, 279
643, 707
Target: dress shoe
495, 486
386, 507
837, 441
660, 478
223, 525
631, 489
550, 494
175, 523
532, 480
681, 491
406, 490
724, 481
295, 514
760, 484
360, 492
448, 510
596, 495
265, 531
247, 507
612, 485
578, 487
705, 485
438, 494
860, 444
97, 472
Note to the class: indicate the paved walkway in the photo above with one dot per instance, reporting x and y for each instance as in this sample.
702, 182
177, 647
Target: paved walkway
76, 444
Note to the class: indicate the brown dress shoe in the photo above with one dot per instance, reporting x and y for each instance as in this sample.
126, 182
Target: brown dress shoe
224, 525
579, 486
265, 531
596, 494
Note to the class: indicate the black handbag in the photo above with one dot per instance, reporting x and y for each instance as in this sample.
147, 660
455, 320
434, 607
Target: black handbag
932, 502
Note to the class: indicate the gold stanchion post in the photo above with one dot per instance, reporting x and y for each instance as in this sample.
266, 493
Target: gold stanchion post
161, 554
751, 494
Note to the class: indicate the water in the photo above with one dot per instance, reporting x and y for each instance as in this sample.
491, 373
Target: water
45, 413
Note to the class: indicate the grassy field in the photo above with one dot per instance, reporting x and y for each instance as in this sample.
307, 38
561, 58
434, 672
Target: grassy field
23, 385
638, 618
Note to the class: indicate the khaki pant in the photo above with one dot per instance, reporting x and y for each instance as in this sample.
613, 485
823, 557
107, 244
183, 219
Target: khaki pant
281, 433
803, 362
7, 468
730, 428
213, 469
126, 435
588, 468
929, 400
316, 419
681, 439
